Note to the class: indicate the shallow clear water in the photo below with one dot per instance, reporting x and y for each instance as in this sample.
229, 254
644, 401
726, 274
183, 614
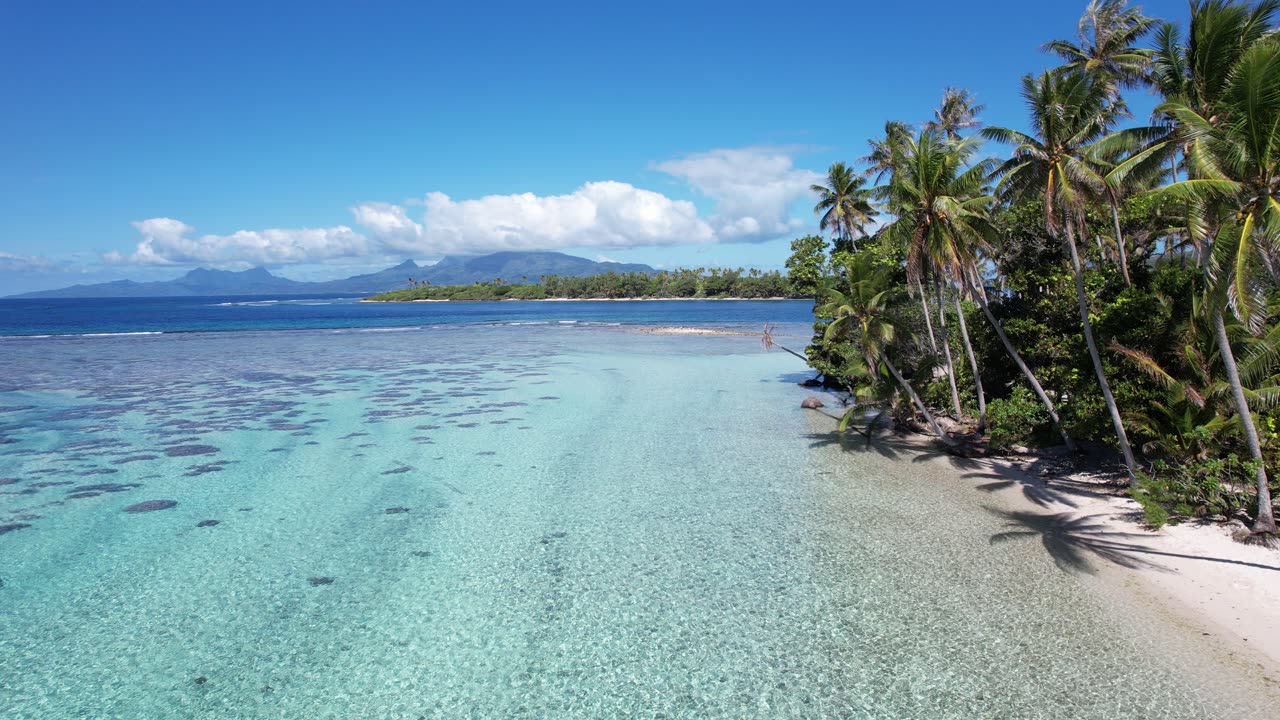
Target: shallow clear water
514, 522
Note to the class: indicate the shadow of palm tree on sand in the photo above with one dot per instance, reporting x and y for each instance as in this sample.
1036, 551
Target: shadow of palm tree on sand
1072, 541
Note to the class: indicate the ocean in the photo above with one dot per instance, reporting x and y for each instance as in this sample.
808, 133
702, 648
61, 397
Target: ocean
210, 314
315, 508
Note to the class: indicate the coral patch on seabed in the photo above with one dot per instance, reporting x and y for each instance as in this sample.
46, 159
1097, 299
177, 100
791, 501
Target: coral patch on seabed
11, 527
317, 581
207, 523
189, 450
151, 506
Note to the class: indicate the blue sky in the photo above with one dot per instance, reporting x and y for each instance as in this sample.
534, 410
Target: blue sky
142, 139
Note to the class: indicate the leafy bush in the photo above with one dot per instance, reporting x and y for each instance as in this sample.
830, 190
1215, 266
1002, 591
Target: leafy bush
1172, 492
1015, 420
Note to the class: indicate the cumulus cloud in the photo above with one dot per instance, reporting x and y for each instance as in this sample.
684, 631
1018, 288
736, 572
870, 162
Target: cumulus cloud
751, 188
10, 262
389, 223
598, 214
166, 241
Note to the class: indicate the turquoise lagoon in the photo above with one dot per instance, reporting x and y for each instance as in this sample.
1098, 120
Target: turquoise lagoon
520, 521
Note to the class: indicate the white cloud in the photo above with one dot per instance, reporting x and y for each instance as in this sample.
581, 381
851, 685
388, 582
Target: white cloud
166, 241
598, 214
752, 188
10, 262
605, 258
389, 223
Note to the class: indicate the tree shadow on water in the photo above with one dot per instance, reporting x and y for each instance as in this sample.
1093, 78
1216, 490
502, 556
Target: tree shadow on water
856, 442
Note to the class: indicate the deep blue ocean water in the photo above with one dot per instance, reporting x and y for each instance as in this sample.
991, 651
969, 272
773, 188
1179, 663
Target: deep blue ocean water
311, 509
120, 315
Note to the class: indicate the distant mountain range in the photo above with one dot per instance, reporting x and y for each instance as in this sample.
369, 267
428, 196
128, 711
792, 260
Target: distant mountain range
511, 267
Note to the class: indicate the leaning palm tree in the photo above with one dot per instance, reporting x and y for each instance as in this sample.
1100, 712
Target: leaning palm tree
844, 206
861, 312
1233, 192
940, 203
958, 112
1107, 45
1069, 111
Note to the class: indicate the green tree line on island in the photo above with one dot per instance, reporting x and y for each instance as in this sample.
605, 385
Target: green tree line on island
689, 283
1111, 280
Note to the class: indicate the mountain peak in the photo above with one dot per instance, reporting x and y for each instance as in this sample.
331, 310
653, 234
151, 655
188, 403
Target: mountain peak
513, 266
202, 273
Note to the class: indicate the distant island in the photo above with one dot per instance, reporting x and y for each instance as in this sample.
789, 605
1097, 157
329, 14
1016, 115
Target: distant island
713, 284
507, 268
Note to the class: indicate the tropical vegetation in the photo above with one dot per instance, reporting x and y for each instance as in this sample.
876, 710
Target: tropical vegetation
1086, 279
688, 283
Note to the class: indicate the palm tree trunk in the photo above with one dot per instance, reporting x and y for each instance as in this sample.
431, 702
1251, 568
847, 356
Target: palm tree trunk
928, 324
1116, 421
981, 297
911, 392
1124, 257
946, 349
1266, 521
973, 365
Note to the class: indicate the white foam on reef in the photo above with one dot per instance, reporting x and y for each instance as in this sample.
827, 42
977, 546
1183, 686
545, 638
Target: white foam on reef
82, 335
407, 328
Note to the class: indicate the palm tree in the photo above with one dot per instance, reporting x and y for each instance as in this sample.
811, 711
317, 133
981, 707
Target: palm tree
959, 111
1196, 73
879, 161
1233, 193
979, 293
844, 206
1169, 77
941, 208
862, 315
1106, 46
1069, 111
1128, 163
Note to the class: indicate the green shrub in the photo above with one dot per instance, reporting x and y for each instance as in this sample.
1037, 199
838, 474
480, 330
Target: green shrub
1173, 492
1015, 420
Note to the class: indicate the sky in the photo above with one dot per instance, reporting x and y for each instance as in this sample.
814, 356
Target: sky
139, 140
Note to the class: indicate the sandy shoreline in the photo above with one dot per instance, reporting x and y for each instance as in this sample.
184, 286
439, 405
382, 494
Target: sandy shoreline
1193, 575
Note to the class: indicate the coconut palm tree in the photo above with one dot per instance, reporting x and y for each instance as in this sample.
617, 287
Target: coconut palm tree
1233, 194
1069, 111
1107, 46
1130, 161
1196, 73
844, 206
861, 312
940, 204
879, 161
958, 112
